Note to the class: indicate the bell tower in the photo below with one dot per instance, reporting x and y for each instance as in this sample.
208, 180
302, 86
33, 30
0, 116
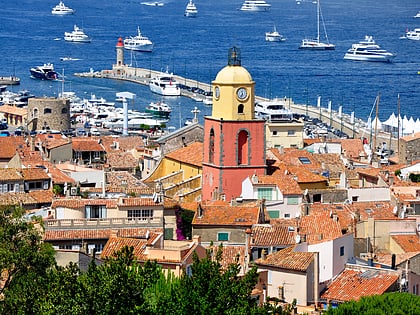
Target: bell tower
234, 142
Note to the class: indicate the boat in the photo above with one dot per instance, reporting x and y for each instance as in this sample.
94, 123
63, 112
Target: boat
44, 72
413, 35
68, 59
191, 9
77, 35
368, 50
417, 15
138, 42
154, 4
274, 36
9, 80
273, 110
62, 9
159, 109
316, 44
255, 6
165, 84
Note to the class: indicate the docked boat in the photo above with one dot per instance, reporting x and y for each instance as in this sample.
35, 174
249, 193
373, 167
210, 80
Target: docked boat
191, 9
62, 9
9, 80
77, 35
165, 84
413, 35
274, 36
138, 42
255, 6
368, 50
159, 109
44, 72
316, 44
273, 110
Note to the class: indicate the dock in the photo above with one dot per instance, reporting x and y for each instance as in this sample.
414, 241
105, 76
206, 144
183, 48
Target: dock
353, 127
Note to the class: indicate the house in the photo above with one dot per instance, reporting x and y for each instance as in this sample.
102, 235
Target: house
408, 151
54, 147
88, 151
359, 281
8, 148
83, 176
282, 194
290, 275
172, 256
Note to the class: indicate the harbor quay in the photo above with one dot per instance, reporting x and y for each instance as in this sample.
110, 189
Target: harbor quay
352, 126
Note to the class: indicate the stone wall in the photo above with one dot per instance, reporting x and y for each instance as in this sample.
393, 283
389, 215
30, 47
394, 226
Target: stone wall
48, 113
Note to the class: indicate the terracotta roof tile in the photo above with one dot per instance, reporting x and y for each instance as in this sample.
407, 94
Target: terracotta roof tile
121, 160
123, 143
288, 259
354, 284
10, 174
272, 235
191, 154
86, 144
34, 173
9, 146
285, 182
115, 244
78, 203
408, 242
232, 254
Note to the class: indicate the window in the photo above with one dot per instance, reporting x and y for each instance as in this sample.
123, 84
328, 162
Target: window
342, 251
240, 108
211, 146
35, 113
292, 200
290, 132
274, 214
304, 160
47, 110
95, 212
243, 138
274, 132
169, 234
317, 198
265, 193
143, 214
64, 110
287, 215
188, 271
223, 236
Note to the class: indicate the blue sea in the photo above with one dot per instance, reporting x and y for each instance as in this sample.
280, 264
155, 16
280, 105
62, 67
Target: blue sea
197, 48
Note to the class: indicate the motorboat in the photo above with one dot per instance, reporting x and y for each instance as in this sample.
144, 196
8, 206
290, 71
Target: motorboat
154, 4
77, 35
273, 110
274, 36
9, 80
138, 42
159, 109
165, 84
62, 9
191, 9
368, 50
255, 5
316, 44
413, 35
44, 72
417, 15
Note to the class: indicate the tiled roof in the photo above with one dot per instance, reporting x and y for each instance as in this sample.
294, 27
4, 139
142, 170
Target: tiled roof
10, 174
51, 141
232, 254
386, 259
104, 233
86, 144
191, 154
354, 284
78, 203
352, 148
123, 178
330, 162
287, 259
374, 209
34, 173
14, 110
42, 196
121, 160
285, 182
407, 242
21, 198
9, 146
411, 137
226, 215
59, 177
136, 202
272, 235
123, 143
114, 244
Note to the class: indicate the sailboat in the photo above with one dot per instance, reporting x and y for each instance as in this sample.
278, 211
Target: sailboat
316, 44
274, 36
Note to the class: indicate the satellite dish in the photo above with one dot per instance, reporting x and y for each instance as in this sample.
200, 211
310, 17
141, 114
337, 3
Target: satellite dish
297, 239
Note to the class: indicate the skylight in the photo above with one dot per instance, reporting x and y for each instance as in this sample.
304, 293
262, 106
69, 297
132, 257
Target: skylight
304, 160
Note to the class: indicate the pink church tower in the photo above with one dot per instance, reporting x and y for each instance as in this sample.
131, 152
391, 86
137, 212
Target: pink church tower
234, 141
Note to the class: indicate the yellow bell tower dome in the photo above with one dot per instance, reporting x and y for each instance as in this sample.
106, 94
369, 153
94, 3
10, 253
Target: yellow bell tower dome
233, 90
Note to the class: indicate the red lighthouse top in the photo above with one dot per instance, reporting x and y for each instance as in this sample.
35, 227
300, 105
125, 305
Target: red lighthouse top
120, 42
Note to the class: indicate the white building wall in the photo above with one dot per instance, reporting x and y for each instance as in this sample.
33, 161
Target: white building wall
370, 194
247, 189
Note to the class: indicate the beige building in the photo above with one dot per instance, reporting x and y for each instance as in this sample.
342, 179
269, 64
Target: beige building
286, 134
48, 113
408, 151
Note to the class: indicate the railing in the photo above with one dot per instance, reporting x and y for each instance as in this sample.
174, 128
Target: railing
101, 223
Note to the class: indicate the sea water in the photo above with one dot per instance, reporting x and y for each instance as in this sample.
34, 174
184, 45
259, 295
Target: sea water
197, 48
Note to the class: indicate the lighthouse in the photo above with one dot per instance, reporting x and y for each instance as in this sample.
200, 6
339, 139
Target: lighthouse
120, 52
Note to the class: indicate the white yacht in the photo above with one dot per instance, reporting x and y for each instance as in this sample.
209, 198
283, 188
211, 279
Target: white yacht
417, 15
413, 35
77, 35
138, 42
368, 50
274, 36
165, 84
191, 9
273, 110
62, 9
255, 5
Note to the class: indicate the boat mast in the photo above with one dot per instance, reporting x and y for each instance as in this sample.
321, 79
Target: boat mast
398, 117
317, 9
376, 122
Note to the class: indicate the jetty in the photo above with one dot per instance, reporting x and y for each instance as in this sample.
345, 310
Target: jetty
350, 125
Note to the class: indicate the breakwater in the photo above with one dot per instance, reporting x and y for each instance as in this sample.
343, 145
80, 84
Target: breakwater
352, 126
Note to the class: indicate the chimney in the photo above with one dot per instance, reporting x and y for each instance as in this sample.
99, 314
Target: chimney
196, 239
263, 253
200, 211
393, 259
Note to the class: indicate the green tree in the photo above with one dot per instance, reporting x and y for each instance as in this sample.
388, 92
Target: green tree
387, 304
24, 260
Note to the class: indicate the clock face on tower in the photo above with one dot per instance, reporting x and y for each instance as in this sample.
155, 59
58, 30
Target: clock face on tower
242, 93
